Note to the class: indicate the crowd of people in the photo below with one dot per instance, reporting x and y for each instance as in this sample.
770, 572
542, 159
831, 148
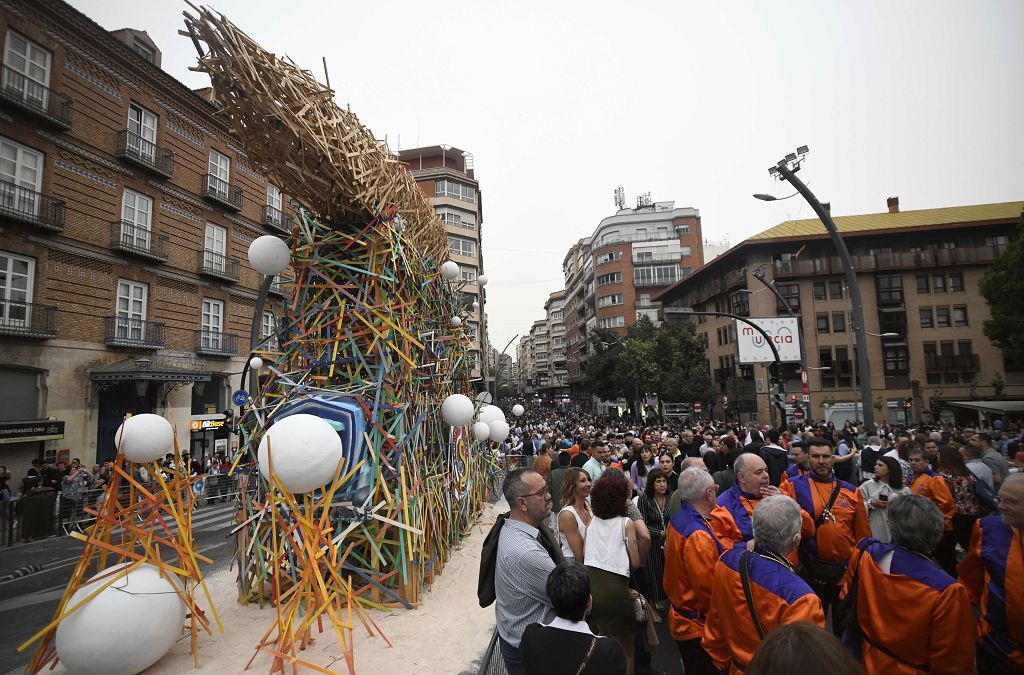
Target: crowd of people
894, 550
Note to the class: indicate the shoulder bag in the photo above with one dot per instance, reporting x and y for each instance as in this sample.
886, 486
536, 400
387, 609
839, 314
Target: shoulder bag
745, 580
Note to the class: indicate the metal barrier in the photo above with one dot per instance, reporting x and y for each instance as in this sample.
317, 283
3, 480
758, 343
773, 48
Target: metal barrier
492, 663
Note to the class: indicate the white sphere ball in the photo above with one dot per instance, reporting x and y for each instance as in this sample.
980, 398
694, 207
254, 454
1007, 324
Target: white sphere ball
476, 306
269, 254
305, 451
481, 431
126, 628
144, 438
450, 270
457, 410
255, 363
455, 321
499, 430
518, 410
491, 413
482, 279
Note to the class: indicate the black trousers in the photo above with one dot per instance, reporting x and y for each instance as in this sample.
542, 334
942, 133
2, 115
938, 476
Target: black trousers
695, 660
828, 593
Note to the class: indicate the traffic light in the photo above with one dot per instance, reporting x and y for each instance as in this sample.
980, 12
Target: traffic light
792, 399
908, 403
777, 399
774, 372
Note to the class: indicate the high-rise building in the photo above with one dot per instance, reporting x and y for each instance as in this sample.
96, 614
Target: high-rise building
448, 180
918, 273
557, 381
126, 211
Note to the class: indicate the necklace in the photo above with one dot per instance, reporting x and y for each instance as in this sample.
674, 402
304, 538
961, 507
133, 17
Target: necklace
772, 555
826, 514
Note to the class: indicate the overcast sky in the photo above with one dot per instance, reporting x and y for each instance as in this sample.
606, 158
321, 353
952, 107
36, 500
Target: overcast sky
560, 102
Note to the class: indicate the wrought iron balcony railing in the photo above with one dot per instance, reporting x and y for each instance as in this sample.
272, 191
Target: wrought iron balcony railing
218, 265
147, 154
275, 218
27, 319
32, 207
129, 237
129, 333
33, 97
216, 343
222, 192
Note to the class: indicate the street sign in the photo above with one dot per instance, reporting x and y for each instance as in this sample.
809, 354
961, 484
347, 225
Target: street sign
725, 401
798, 414
696, 406
806, 398
240, 398
783, 331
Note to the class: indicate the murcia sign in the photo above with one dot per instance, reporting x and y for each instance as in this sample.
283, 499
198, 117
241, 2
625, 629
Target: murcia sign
783, 331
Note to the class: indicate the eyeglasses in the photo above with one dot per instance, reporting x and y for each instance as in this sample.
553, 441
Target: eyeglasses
538, 493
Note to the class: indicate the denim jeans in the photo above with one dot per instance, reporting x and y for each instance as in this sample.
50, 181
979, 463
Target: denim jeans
512, 657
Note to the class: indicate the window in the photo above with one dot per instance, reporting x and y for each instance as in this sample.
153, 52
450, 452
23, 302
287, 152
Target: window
956, 282
643, 256
922, 283
998, 243
822, 323
611, 322
16, 276
444, 187
838, 322
144, 50
819, 290
461, 246
896, 360
274, 197
467, 273
959, 315
610, 237
141, 132
658, 275
927, 318
835, 290
457, 218
609, 300
939, 283
220, 172
610, 256
791, 293
21, 170
739, 304
215, 248
136, 216
131, 310
890, 288
613, 278
942, 317
212, 324
557, 315
685, 251
682, 230
268, 331
27, 70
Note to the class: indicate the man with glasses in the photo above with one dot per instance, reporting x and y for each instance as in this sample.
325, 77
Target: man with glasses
527, 553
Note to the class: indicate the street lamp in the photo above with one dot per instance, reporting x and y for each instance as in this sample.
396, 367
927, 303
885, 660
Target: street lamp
786, 169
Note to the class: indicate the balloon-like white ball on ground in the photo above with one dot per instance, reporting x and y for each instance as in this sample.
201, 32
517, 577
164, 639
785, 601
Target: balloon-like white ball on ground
269, 254
450, 270
482, 279
255, 363
126, 628
457, 410
481, 431
144, 438
499, 430
303, 450
518, 410
455, 321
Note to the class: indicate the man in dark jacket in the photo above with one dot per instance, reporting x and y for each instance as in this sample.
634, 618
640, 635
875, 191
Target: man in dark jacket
775, 457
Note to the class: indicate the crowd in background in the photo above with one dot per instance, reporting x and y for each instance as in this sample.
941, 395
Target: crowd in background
897, 516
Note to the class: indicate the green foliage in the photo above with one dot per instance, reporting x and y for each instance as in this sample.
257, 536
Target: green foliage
1002, 286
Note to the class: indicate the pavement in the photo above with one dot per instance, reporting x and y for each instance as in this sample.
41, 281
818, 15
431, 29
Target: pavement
34, 575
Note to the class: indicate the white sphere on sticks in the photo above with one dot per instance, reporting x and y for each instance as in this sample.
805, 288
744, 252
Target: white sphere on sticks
455, 321
457, 410
304, 451
144, 438
499, 430
482, 279
269, 255
481, 431
450, 270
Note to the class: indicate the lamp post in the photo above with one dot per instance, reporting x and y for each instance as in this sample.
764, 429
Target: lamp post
786, 168
269, 256
497, 368
775, 369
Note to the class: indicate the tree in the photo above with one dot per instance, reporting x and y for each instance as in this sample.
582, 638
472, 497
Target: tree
1002, 285
604, 374
682, 364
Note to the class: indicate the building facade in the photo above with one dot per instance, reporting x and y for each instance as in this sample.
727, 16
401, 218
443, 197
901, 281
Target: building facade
126, 211
556, 376
918, 273
448, 180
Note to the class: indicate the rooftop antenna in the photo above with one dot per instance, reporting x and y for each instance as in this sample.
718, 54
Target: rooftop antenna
620, 198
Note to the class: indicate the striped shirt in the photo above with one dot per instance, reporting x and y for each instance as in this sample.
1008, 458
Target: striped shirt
520, 581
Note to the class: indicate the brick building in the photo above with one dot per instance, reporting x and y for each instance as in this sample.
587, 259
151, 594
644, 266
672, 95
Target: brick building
126, 210
918, 273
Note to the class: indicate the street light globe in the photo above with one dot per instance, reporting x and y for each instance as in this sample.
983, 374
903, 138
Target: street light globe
482, 279
269, 255
450, 270
255, 363
455, 321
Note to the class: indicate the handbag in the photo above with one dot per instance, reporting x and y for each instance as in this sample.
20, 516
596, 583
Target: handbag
586, 657
637, 599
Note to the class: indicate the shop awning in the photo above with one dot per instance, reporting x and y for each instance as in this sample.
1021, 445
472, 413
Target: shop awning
1000, 407
156, 368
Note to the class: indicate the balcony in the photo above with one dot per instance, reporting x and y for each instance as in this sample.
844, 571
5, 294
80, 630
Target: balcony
26, 319
961, 363
126, 333
280, 286
218, 265
647, 283
137, 150
127, 237
657, 259
222, 192
275, 218
36, 99
888, 260
216, 343
32, 207
633, 238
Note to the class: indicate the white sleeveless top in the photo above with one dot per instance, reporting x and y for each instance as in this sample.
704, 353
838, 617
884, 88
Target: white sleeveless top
566, 549
605, 547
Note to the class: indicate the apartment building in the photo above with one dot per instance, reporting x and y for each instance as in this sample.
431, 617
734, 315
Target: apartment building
448, 180
557, 381
126, 210
918, 273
